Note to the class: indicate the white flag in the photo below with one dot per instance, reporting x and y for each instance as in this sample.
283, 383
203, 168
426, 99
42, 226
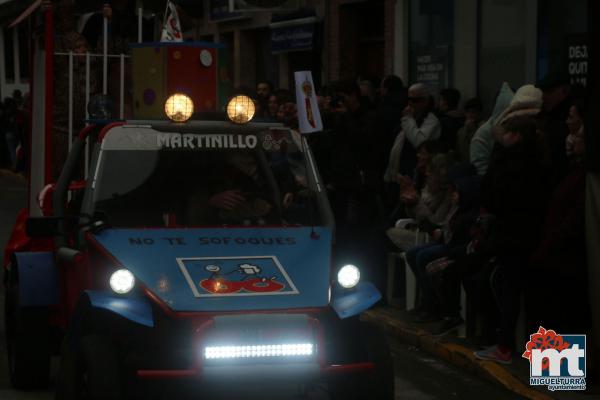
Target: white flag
171, 31
309, 117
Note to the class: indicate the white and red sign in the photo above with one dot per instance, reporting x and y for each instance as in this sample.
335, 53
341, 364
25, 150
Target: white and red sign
309, 117
171, 31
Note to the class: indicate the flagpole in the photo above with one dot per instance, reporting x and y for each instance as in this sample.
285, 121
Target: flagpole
165, 15
140, 21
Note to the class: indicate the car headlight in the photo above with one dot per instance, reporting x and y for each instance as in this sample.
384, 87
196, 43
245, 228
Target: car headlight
122, 281
348, 276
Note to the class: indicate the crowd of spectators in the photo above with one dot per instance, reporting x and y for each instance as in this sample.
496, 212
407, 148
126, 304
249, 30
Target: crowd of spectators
13, 122
493, 204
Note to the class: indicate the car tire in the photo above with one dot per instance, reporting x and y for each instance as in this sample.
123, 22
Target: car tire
28, 344
89, 370
375, 385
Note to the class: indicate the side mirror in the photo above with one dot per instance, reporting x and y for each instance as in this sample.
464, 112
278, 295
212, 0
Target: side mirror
37, 227
45, 198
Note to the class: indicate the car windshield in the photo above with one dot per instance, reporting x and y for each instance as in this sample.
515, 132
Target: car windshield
149, 178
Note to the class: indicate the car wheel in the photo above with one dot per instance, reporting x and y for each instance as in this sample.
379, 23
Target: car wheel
375, 385
27, 341
89, 370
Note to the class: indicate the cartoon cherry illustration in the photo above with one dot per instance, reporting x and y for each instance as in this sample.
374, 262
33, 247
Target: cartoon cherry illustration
217, 283
252, 281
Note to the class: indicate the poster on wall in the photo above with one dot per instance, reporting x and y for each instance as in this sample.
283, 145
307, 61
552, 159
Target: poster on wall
430, 66
578, 58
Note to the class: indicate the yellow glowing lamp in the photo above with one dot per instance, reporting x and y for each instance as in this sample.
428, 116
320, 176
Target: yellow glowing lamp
240, 109
179, 107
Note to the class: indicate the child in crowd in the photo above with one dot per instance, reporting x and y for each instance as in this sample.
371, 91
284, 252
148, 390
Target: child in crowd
429, 206
448, 239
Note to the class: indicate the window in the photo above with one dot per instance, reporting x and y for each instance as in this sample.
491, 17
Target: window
23, 53
431, 40
506, 46
9, 59
562, 34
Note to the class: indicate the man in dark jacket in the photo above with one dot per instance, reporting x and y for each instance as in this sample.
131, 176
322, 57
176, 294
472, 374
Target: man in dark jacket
451, 118
559, 263
515, 191
354, 178
552, 120
394, 98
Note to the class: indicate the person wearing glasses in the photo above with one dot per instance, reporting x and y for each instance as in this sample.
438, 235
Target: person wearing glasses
419, 124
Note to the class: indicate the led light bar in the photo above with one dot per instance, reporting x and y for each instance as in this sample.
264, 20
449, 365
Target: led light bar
274, 350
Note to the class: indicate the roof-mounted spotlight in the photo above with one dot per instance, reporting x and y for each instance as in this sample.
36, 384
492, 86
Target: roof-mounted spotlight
179, 107
241, 109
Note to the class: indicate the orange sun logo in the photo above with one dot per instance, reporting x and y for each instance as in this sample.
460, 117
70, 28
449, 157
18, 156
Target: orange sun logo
545, 339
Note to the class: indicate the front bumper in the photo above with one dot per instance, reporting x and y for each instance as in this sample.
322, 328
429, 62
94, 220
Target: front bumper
280, 346
280, 372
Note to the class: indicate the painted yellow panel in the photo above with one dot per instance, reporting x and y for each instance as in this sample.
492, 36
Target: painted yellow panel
148, 67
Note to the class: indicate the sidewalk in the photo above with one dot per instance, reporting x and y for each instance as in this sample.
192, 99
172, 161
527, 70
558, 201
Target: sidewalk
459, 352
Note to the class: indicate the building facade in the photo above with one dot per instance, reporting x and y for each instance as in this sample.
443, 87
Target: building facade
475, 45
332, 38
14, 52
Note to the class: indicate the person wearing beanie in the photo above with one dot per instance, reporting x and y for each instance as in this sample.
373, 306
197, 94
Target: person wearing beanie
526, 101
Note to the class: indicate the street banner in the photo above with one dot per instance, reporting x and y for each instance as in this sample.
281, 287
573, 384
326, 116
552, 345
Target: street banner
171, 31
309, 118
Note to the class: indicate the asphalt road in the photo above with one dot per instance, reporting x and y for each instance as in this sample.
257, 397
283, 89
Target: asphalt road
418, 375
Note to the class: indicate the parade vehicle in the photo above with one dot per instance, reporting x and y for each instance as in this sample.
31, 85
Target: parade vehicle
178, 246
198, 251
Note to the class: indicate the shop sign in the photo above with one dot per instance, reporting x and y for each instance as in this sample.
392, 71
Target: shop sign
578, 58
286, 37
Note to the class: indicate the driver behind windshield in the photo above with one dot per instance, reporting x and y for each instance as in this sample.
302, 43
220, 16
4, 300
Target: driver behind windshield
237, 191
